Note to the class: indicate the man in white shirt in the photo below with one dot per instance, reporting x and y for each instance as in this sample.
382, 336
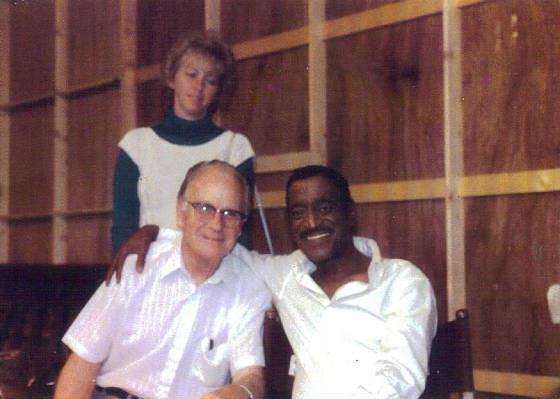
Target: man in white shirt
360, 325
190, 326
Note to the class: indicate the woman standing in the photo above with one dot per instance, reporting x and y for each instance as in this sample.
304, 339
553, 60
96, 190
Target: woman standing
152, 161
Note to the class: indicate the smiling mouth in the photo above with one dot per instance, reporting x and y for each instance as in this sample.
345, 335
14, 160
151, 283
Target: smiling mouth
316, 234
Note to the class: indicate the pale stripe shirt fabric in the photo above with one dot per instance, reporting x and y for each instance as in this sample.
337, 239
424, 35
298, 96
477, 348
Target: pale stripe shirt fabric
160, 336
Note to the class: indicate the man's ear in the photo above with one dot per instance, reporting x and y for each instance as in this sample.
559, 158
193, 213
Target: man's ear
180, 210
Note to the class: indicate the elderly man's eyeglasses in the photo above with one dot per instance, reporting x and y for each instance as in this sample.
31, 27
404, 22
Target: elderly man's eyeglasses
206, 212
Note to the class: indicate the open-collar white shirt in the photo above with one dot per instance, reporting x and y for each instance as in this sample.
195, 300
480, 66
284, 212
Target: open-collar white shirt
370, 340
158, 335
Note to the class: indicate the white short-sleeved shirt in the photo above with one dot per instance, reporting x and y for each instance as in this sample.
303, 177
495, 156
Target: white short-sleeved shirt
163, 166
371, 340
158, 335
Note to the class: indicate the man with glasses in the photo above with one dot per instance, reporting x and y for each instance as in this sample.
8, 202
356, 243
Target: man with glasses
190, 326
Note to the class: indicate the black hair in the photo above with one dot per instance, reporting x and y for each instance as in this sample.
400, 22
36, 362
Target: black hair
339, 182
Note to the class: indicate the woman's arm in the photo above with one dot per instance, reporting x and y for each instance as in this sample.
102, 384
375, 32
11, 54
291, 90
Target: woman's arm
126, 204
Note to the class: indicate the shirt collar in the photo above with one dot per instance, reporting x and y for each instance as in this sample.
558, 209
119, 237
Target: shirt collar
225, 273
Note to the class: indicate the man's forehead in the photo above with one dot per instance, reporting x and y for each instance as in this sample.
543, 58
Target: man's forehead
312, 189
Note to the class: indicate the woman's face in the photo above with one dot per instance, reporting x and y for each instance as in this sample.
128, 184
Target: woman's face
196, 85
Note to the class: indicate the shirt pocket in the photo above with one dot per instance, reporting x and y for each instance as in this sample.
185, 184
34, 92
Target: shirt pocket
213, 368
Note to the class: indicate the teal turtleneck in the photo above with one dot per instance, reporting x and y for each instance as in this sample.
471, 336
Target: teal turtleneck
126, 204
184, 132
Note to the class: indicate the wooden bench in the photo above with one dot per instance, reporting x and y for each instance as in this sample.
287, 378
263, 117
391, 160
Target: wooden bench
37, 305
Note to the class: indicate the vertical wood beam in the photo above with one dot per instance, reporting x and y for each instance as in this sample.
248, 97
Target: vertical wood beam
5, 53
60, 182
453, 142
317, 81
213, 15
213, 21
129, 114
4, 184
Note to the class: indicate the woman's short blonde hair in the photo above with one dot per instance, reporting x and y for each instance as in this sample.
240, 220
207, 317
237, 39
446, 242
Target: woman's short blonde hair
208, 44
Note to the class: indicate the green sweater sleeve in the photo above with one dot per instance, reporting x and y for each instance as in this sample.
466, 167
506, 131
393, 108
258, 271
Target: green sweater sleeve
126, 204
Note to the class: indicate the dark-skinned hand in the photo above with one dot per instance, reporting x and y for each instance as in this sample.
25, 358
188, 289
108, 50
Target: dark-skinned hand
139, 244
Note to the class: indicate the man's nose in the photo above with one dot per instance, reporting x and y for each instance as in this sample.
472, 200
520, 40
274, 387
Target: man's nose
217, 221
311, 218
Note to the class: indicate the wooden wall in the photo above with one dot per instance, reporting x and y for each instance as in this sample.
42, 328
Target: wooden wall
442, 114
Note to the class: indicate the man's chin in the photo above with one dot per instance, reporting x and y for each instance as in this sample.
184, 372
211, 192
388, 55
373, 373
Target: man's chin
314, 254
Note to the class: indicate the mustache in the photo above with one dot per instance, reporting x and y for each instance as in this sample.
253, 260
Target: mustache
316, 230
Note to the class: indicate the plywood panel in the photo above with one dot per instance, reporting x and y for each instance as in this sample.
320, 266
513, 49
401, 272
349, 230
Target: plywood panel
272, 181
92, 43
160, 23
31, 159
336, 8
5, 53
153, 102
512, 256
511, 68
93, 134
31, 50
415, 231
385, 105
89, 239
278, 229
30, 241
270, 104
244, 20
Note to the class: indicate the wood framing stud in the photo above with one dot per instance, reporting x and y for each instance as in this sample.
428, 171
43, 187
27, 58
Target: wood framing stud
4, 184
212, 15
317, 75
453, 153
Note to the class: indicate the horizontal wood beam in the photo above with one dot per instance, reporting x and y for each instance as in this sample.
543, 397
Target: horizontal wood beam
27, 102
65, 92
527, 182
534, 386
272, 44
77, 213
381, 16
99, 85
533, 181
285, 162
406, 190
389, 14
